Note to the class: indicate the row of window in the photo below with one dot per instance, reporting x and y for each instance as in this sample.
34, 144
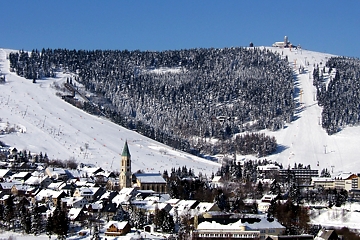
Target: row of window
228, 235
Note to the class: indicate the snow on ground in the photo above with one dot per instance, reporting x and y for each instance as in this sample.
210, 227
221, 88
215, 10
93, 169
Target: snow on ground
50, 125
337, 217
133, 235
304, 140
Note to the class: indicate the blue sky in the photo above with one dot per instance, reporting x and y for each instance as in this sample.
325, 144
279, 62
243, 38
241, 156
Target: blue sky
324, 26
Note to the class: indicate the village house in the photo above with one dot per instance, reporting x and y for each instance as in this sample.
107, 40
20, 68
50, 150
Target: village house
38, 181
91, 194
77, 214
73, 202
115, 228
58, 173
49, 196
23, 190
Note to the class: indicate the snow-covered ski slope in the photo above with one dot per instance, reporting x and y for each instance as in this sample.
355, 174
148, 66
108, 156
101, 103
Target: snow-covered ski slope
48, 124
304, 140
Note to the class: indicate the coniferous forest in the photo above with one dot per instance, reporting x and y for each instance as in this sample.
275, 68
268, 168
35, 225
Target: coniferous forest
182, 98
340, 99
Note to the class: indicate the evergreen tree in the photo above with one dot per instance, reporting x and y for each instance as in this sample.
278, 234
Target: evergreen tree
9, 213
139, 219
61, 223
27, 222
168, 225
37, 223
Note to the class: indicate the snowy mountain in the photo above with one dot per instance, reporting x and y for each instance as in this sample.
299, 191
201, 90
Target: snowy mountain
45, 123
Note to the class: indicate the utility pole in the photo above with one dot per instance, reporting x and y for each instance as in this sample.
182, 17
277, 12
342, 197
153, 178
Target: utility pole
325, 148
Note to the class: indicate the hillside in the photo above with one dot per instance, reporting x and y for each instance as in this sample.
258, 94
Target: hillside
304, 140
48, 124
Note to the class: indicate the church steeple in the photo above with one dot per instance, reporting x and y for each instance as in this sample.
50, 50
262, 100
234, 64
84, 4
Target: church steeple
126, 152
125, 170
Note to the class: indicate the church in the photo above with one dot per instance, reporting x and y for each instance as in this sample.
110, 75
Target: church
141, 181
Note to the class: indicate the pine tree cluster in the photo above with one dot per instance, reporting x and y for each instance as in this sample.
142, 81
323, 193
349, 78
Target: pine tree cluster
340, 99
176, 97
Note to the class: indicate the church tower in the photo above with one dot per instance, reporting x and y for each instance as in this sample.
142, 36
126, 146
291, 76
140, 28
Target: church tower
125, 171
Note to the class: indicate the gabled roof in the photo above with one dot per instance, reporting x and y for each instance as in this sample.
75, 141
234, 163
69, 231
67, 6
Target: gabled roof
48, 193
118, 225
74, 213
4, 172
324, 234
205, 206
21, 175
345, 176
128, 191
35, 180
184, 205
56, 185
121, 199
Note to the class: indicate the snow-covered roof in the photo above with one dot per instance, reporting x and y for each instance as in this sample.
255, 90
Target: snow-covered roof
47, 193
322, 179
262, 224
173, 201
183, 205
150, 177
56, 185
9, 185
158, 198
4, 172
216, 179
268, 167
71, 200
127, 191
96, 205
344, 176
118, 225
121, 199
74, 213
204, 206
33, 180
88, 191
217, 226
